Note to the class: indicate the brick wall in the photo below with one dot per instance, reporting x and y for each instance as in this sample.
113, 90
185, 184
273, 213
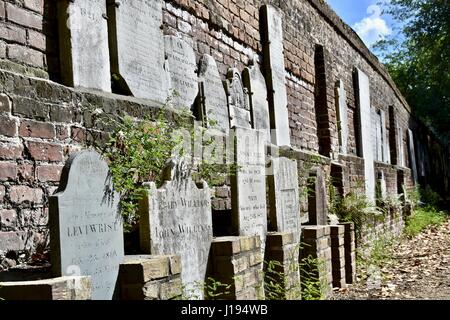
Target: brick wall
41, 122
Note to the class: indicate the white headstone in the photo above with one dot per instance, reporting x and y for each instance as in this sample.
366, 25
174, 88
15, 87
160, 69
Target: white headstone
412, 156
274, 68
384, 138
83, 39
379, 138
256, 85
401, 152
365, 130
238, 104
137, 47
86, 225
182, 68
341, 101
177, 219
284, 196
249, 184
214, 99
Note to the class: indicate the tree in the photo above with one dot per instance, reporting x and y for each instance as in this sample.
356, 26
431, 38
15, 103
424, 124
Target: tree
418, 58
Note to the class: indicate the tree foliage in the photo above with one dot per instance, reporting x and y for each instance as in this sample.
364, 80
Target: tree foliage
418, 58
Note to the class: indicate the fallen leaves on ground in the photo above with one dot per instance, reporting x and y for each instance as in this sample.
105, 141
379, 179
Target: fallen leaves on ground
419, 269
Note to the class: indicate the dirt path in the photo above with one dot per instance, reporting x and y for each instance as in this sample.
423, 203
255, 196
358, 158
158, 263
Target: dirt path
419, 269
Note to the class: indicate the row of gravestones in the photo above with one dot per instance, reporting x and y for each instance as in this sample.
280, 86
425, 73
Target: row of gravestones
86, 225
125, 39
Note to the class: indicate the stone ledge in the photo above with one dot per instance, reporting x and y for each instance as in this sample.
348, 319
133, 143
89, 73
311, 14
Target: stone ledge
63, 288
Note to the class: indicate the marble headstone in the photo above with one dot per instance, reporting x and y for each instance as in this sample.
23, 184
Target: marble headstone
137, 47
256, 85
248, 185
275, 73
384, 138
238, 104
412, 155
341, 101
378, 141
214, 99
83, 39
364, 124
401, 150
182, 68
177, 219
284, 196
85, 224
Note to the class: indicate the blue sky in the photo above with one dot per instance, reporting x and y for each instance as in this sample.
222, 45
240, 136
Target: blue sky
365, 17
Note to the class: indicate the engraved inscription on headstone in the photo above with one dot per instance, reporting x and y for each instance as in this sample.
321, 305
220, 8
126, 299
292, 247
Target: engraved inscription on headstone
412, 155
256, 85
137, 48
238, 104
341, 101
85, 224
177, 219
272, 42
182, 68
284, 196
83, 39
214, 107
248, 185
365, 129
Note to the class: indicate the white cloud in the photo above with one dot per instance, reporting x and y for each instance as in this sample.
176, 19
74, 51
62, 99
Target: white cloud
372, 28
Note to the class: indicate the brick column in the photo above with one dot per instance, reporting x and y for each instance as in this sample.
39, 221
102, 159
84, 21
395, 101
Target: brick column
237, 262
316, 245
350, 252
145, 277
338, 255
282, 267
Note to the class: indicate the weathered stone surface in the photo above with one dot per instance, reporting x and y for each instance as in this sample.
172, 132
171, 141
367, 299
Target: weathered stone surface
256, 86
365, 124
238, 104
284, 196
214, 108
341, 101
248, 186
272, 42
317, 199
83, 41
177, 219
137, 48
13, 240
412, 156
378, 146
401, 149
85, 224
384, 138
182, 68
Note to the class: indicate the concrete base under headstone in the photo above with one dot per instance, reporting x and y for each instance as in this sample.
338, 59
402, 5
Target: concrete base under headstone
62, 288
145, 277
350, 252
316, 245
237, 262
281, 267
338, 256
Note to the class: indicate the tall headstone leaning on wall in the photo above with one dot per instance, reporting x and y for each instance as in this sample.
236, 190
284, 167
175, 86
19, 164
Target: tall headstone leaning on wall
177, 219
275, 73
248, 184
213, 104
365, 130
342, 115
137, 48
255, 83
86, 227
284, 196
83, 40
238, 100
182, 67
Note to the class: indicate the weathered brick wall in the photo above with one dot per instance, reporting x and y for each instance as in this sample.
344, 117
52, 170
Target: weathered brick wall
41, 122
